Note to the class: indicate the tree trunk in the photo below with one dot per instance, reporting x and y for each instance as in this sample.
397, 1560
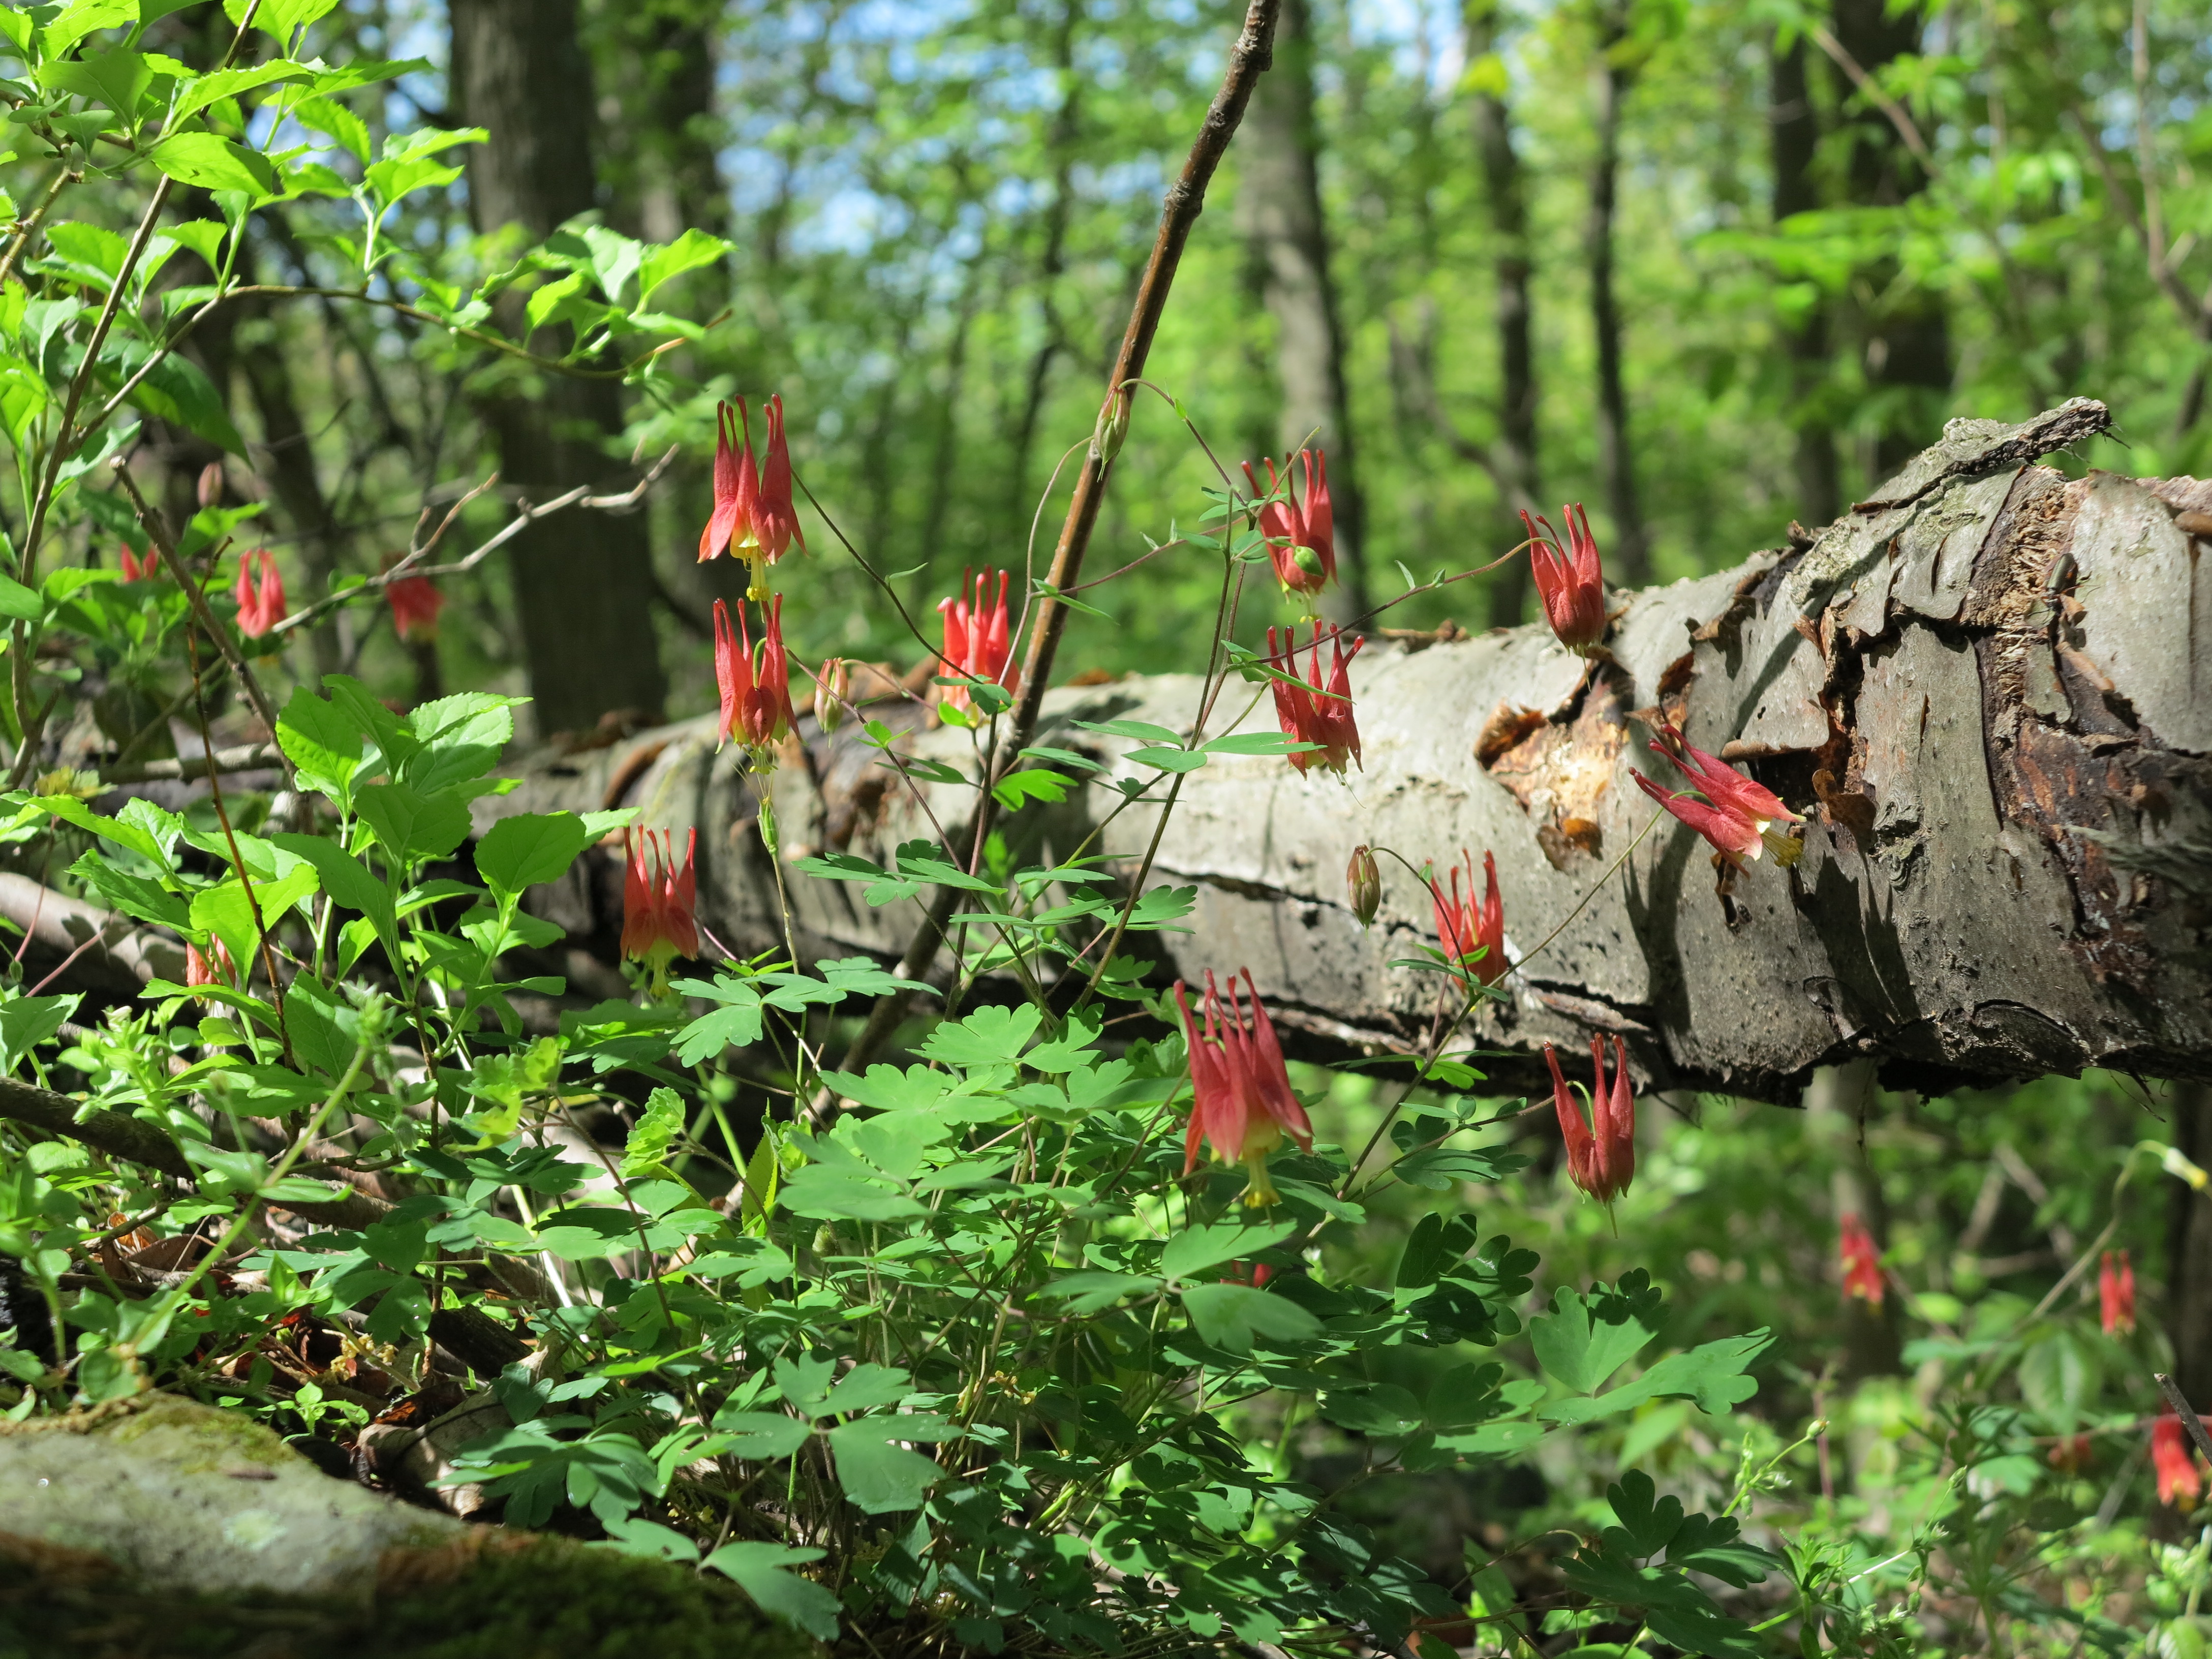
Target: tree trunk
1052, 265
1514, 454
1905, 337
1279, 203
2189, 1256
1976, 685
1629, 559
579, 589
1795, 131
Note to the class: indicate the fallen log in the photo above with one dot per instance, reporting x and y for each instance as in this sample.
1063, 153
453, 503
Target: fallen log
1988, 687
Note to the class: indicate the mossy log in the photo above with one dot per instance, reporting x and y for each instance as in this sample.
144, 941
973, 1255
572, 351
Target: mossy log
168, 1529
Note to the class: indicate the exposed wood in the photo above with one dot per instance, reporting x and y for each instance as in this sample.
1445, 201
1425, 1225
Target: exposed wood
1983, 686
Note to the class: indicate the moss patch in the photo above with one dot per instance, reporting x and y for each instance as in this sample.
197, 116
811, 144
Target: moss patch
500, 1596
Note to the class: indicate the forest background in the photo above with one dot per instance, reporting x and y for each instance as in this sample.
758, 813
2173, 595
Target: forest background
1709, 268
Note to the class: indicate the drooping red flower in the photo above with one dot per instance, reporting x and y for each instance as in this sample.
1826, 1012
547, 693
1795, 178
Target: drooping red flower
2116, 1293
755, 681
1862, 1262
210, 967
2071, 1454
1737, 817
978, 639
1601, 1149
1301, 535
135, 570
775, 519
1465, 926
1570, 579
659, 899
415, 603
2180, 1483
1319, 712
737, 486
260, 604
1253, 1273
1241, 1103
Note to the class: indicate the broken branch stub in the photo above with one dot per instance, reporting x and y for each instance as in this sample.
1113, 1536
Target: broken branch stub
1988, 687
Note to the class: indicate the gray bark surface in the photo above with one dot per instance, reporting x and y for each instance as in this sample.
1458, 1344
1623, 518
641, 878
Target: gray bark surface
1988, 688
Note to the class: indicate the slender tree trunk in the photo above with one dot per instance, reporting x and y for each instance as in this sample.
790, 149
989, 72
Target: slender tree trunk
1280, 207
1514, 454
1905, 338
1628, 561
1052, 265
1794, 129
2189, 1256
581, 595
1837, 1102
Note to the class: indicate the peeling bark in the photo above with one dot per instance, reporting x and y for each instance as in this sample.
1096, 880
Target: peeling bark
1987, 688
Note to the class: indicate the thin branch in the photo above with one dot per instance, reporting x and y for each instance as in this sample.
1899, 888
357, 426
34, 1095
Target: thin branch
526, 514
1250, 58
244, 757
158, 533
1874, 93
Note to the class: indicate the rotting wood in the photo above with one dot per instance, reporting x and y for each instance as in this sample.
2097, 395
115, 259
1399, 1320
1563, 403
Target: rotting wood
1987, 686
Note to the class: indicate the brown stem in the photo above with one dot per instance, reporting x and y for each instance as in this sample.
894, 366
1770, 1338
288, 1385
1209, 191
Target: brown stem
1186, 198
158, 534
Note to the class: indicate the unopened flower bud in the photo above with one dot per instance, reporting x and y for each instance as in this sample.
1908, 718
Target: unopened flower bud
1365, 879
1113, 429
833, 690
209, 491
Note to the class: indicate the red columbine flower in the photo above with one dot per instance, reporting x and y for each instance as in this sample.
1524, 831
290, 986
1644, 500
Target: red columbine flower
1862, 1275
1570, 579
1464, 926
135, 570
1601, 1150
2116, 1294
1322, 713
659, 895
1737, 817
737, 485
2071, 1454
1301, 537
1242, 1103
978, 639
260, 606
415, 603
775, 520
2179, 1482
753, 514
755, 680
211, 967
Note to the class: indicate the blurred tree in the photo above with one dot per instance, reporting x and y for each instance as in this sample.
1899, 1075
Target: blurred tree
1513, 456
1611, 75
1281, 210
1903, 326
1794, 132
582, 589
